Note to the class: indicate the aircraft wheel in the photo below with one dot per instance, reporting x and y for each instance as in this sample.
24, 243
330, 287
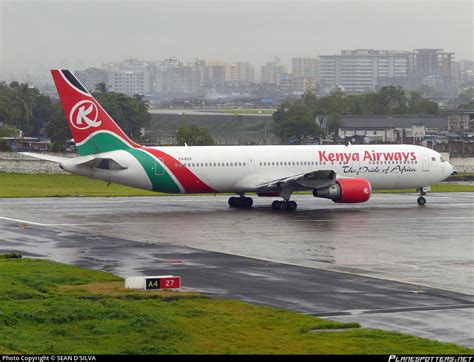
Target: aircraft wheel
421, 201
248, 202
292, 205
232, 201
276, 205
239, 201
283, 206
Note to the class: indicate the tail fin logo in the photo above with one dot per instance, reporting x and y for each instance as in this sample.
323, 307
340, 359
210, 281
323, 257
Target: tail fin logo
84, 115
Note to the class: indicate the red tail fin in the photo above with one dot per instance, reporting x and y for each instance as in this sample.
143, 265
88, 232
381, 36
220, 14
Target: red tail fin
84, 114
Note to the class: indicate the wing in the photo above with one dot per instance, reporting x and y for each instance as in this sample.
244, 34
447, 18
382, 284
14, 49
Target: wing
105, 163
302, 181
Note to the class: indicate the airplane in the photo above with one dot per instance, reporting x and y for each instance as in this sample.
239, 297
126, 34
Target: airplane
342, 173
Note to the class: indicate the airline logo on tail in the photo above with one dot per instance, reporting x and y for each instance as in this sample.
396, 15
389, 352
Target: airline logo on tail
84, 115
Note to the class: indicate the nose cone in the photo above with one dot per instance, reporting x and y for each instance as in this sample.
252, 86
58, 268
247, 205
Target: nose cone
449, 169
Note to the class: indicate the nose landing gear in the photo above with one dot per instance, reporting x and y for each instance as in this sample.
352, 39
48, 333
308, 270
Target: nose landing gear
421, 200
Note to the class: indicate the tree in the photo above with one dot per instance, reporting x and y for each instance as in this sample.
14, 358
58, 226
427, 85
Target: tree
419, 105
334, 124
295, 123
391, 100
193, 136
4, 146
465, 100
101, 87
130, 113
57, 128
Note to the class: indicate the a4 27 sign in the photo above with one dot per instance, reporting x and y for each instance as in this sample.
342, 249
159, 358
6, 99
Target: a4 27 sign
171, 282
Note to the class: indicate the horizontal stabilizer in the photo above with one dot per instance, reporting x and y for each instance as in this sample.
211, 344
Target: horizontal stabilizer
45, 157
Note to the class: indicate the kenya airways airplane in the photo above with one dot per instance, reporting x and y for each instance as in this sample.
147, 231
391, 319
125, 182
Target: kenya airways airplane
344, 174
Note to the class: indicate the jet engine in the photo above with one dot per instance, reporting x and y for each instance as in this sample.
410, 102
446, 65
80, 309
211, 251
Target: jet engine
347, 190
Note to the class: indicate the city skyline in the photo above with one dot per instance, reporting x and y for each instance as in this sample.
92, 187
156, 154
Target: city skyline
103, 31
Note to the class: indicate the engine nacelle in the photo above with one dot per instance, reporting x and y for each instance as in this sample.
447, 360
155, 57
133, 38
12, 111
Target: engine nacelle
346, 190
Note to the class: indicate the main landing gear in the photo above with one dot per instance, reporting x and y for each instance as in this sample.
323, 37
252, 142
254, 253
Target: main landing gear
284, 205
240, 202
421, 200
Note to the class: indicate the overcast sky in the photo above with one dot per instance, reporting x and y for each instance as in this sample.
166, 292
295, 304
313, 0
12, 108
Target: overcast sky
37, 35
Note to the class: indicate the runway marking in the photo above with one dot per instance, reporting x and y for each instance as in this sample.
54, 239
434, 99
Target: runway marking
394, 310
168, 222
23, 221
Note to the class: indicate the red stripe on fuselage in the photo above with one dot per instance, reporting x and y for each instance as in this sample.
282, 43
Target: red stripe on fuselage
190, 182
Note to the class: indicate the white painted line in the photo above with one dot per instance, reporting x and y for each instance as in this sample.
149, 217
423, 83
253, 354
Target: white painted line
23, 221
169, 222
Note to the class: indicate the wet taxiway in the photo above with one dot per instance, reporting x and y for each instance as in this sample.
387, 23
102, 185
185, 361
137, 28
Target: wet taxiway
387, 263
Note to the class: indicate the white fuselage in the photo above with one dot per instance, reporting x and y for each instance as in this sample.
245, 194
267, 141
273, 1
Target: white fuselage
242, 169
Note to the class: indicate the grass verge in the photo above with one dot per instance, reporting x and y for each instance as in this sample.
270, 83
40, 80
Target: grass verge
52, 308
40, 185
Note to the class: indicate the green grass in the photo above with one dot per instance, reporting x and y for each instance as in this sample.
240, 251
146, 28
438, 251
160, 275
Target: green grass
40, 185
245, 111
441, 187
52, 308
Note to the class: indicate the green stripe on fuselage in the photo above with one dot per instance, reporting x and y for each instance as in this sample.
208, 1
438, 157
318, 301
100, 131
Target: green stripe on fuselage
101, 142
161, 181
106, 142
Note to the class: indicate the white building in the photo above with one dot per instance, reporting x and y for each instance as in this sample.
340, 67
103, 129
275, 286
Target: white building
305, 67
360, 70
272, 72
129, 77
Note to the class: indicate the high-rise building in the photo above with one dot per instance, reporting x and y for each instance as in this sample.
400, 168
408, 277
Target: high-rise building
219, 72
174, 77
305, 67
90, 77
273, 71
433, 67
245, 72
129, 77
358, 71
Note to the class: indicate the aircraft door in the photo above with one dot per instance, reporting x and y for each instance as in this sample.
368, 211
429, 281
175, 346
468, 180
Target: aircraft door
426, 163
159, 169
251, 165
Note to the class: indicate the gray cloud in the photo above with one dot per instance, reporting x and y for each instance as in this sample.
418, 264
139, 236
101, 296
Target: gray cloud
42, 34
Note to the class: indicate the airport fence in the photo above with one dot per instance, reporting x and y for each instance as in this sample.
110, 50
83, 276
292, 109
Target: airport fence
13, 162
